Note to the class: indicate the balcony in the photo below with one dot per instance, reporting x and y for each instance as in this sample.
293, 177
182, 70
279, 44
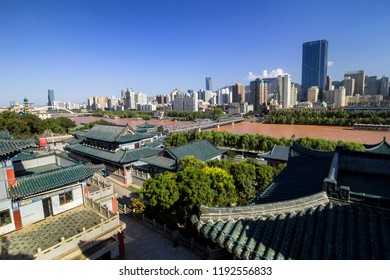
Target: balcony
79, 233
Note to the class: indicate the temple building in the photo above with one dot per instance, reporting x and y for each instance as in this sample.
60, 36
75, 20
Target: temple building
50, 209
118, 147
168, 159
323, 205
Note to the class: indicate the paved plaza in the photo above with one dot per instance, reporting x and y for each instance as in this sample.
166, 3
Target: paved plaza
142, 243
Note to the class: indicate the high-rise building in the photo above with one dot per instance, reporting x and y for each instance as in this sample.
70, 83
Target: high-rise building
284, 91
186, 102
238, 92
359, 78
384, 86
209, 85
328, 83
312, 94
50, 97
349, 84
339, 97
130, 100
259, 90
371, 85
314, 65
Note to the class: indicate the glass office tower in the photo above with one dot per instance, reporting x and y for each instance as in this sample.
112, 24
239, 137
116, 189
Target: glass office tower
314, 65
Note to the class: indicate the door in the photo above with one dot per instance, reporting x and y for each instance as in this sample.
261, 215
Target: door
47, 210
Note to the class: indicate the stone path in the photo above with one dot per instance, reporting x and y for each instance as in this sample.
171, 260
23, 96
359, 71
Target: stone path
142, 243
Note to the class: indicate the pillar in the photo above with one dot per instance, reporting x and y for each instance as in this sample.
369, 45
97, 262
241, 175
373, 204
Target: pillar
17, 216
114, 205
9, 168
125, 175
121, 240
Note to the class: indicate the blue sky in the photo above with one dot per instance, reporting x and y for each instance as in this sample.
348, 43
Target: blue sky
85, 48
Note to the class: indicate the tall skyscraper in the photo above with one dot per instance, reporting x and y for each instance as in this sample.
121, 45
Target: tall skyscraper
209, 85
349, 85
50, 97
238, 91
284, 90
259, 89
359, 78
314, 65
384, 86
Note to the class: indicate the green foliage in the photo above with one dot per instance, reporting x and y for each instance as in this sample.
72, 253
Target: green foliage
190, 161
91, 124
137, 206
162, 191
215, 183
329, 117
255, 142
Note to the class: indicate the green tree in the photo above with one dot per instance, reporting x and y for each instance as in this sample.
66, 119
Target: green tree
162, 191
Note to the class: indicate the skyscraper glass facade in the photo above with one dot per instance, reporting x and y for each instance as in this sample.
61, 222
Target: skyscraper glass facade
50, 97
314, 65
209, 85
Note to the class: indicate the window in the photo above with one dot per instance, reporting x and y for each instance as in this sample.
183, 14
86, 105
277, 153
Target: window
66, 197
5, 218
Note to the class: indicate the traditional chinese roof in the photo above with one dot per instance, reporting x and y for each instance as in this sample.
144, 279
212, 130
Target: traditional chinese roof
279, 153
295, 219
28, 155
118, 157
304, 175
380, 148
312, 227
5, 134
42, 182
146, 125
10, 146
109, 133
202, 150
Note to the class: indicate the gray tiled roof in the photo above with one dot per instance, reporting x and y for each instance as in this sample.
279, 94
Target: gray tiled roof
119, 157
313, 227
278, 152
304, 175
380, 148
202, 150
9, 146
41, 182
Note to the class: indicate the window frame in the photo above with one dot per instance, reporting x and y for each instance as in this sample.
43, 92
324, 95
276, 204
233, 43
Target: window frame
4, 220
66, 197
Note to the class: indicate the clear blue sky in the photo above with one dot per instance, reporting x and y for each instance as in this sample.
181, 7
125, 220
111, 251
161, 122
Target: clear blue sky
85, 48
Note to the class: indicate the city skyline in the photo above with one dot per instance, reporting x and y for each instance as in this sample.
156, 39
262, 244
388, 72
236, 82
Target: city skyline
86, 48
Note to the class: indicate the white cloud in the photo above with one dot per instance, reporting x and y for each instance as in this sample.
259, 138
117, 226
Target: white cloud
252, 76
266, 74
330, 63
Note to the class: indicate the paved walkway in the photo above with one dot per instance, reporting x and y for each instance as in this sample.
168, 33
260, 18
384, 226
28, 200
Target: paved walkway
142, 243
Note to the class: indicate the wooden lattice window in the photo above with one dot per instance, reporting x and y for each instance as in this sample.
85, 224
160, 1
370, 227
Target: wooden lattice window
5, 217
66, 197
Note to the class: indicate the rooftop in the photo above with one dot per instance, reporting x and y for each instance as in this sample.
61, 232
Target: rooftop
278, 152
10, 146
41, 182
118, 157
49, 232
202, 150
380, 148
312, 227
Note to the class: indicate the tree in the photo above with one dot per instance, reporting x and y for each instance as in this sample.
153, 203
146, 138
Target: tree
162, 191
190, 161
244, 176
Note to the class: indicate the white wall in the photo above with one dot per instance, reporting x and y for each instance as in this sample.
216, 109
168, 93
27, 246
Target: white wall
27, 164
77, 201
32, 213
3, 183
